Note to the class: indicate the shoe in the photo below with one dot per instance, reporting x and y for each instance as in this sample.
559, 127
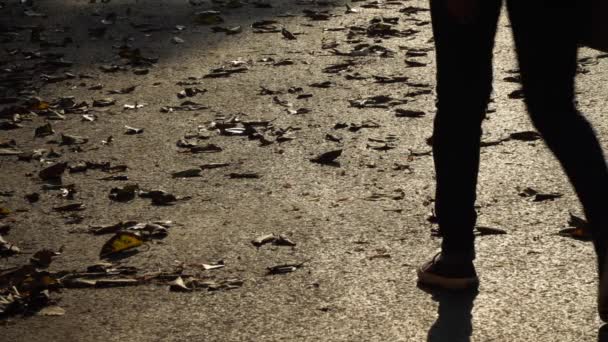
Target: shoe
602, 293
449, 275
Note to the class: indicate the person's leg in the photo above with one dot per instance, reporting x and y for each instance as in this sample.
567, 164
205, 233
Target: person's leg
464, 85
546, 40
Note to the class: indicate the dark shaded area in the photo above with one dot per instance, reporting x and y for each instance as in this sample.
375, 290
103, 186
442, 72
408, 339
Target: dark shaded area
48, 42
454, 315
89, 27
602, 334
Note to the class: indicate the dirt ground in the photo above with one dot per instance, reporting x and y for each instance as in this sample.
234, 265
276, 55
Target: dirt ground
360, 226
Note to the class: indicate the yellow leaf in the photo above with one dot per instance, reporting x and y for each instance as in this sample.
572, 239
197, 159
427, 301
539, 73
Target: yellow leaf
37, 281
122, 241
48, 280
42, 105
4, 211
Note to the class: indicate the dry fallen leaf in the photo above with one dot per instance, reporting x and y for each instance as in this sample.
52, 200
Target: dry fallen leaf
43, 258
187, 173
525, 136
579, 229
490, 231
282, 269
132, 130
122, 241
10, 151
53, 171
327, 158
178, 285
263, 239
408, 113
70, 207
51, 311
287, 34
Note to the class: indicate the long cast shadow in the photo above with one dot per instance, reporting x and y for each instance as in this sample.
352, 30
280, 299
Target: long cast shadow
602, 334
454, 316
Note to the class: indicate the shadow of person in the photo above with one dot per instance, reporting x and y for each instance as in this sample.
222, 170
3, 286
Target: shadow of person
602, 334
454, 319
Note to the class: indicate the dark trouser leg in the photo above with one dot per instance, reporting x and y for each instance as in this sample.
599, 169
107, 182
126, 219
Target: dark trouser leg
545, 37
464, 85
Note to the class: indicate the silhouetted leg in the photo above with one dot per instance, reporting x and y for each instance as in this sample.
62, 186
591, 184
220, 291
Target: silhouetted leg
464, 85
545, 36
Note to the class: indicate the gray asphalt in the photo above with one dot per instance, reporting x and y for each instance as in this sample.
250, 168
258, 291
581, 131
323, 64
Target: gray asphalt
357, 282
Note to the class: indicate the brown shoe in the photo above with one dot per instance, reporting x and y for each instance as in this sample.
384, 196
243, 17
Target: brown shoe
449, 275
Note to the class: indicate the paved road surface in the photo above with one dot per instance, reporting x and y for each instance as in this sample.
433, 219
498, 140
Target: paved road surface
361, 228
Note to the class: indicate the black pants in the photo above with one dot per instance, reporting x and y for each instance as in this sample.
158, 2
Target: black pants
546, 42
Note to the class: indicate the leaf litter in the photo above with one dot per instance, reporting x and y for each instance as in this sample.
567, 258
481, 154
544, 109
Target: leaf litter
128, 234
277, 240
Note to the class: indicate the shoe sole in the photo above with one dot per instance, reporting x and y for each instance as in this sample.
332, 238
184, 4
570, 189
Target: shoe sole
430, 279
